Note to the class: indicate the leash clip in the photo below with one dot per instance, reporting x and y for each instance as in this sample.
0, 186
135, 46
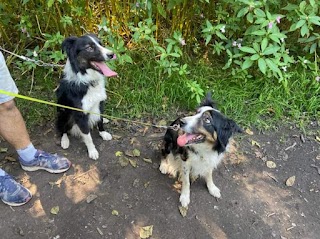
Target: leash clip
175, 127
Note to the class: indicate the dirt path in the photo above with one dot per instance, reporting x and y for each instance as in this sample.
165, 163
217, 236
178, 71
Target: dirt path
129, 192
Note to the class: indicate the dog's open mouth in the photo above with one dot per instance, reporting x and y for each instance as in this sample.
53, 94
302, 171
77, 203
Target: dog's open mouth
103, 69
188, 139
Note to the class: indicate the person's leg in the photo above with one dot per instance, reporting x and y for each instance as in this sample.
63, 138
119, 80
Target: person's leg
13, 130
12, 126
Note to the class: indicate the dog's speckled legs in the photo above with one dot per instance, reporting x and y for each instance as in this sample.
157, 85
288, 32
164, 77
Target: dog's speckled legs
185, 190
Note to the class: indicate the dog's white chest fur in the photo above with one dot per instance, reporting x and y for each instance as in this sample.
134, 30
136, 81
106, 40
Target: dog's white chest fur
94, 96
91, 101
203, 160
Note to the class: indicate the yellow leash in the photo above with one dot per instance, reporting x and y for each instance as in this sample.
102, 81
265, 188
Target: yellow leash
174, 127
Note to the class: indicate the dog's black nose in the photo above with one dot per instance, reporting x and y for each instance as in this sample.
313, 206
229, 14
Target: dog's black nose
111, 56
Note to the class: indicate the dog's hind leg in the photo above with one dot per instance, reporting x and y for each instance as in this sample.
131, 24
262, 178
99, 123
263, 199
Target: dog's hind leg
104, 134
185, 180
213, 189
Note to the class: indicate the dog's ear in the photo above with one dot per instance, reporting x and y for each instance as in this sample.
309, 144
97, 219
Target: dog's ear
208, 101
224, 132
67, 44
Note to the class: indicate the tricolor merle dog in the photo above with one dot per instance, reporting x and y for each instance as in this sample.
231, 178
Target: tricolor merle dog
197, 147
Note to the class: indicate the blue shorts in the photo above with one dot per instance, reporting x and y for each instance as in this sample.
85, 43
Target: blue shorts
6, 81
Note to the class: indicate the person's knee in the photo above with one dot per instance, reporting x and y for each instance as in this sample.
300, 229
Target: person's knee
8, 106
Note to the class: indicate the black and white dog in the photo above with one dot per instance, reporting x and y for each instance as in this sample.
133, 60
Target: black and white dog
197, 147
83, 87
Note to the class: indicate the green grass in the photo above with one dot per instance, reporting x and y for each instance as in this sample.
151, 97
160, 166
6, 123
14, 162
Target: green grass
141, 91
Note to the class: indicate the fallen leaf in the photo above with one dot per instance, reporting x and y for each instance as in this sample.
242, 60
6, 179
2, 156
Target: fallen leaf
118, 153
271, 164
255, 143
147, 160
183, 211
146, 184
146, 232
9, 158
133, 163
128, 153
91, 197
249, 132
3, 150
123, 161
136, 152
55, 210
115, 213
290, 181
318, 138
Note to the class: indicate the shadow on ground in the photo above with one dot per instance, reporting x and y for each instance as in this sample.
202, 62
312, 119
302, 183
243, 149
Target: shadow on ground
116, 196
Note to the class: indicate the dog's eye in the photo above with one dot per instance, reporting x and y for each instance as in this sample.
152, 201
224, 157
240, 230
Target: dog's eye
207, 120
90, 49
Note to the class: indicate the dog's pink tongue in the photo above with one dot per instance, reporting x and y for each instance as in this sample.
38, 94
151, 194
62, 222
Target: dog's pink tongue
183, 139
105, 69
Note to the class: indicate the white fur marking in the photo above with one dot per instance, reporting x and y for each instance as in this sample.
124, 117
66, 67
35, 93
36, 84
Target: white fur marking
65, 143
105, 135
93, 153
105, 51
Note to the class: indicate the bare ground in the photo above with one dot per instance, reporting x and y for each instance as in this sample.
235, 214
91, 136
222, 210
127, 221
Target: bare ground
116, 196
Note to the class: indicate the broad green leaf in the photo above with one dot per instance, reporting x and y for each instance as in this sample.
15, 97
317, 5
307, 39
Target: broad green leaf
264, 44
313, 48
208, 38
248, 49
259, 13
174, 54
271, 50
256, 46
315, 20
250, 17
262, 65
221, 36
255, 57
290, 7
246, 64
274, 38
300, 23
243, 12
272, 66
312, 3
259, 33
304, 30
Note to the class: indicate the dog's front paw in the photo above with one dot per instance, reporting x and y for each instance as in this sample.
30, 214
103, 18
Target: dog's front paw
185, 199
65, 143
93, 154
105, 135
163, 167
215, 191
